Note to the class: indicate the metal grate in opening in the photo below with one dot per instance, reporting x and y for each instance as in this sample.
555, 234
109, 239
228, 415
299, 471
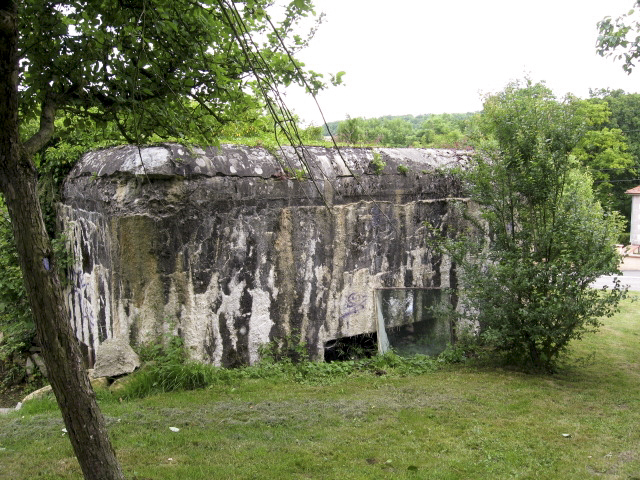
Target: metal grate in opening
408, 320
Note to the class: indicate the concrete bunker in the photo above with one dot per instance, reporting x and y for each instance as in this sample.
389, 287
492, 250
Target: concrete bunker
230, 249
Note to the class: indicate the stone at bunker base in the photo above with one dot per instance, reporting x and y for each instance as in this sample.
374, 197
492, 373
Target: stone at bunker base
115, 357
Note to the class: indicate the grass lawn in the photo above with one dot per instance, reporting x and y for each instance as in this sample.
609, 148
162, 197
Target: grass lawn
459, 422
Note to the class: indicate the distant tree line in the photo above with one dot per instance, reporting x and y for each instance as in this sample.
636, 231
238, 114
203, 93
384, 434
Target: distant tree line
447, 130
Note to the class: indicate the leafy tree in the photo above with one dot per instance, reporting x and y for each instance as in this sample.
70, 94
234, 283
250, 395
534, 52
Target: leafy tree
397, 132
620, 39
605, 154
373, 130
152, 68
602, 150
548, 237
444, 130
624, 118
313, 134
72, 137
351, 131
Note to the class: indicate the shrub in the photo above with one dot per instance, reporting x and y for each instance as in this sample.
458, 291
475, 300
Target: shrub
547, 236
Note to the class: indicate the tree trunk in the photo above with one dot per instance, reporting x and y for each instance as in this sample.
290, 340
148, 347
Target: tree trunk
82, 417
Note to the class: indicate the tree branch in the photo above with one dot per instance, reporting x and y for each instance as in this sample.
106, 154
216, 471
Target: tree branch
44, 134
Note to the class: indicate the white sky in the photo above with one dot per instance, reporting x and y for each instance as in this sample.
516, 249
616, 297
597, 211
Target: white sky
439, 56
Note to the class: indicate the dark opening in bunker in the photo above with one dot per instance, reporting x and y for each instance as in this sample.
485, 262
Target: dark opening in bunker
410, 320
364, 345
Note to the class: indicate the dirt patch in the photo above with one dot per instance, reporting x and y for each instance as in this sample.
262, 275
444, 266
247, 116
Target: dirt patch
11, 396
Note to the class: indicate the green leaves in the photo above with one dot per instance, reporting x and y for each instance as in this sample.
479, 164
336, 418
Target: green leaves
439, 131
614, 157
15, 315
133, 60
337, 78
615, 36
548, 237
604, 153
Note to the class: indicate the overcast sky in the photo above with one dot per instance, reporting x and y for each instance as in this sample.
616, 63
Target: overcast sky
439, 56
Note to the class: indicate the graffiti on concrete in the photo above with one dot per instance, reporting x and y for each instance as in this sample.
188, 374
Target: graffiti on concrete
356, 302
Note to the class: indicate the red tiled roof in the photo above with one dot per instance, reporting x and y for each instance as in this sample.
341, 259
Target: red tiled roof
634, 191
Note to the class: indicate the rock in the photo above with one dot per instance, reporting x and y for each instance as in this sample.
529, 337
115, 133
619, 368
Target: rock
115, 357
102, 382
38, 393
95, 383
39, 361
119, 384
29, 365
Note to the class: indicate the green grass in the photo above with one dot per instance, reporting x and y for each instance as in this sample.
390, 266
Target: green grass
465, 421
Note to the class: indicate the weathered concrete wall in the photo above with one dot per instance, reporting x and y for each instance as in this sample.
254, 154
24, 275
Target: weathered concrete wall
222, 248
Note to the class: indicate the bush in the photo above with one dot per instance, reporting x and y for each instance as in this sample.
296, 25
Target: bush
289, 348
16, 323
547, 237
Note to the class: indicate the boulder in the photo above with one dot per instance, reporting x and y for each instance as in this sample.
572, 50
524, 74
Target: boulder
37, 394
102, 382
120, 385
39, 362
29, 366
115, 357
96, 383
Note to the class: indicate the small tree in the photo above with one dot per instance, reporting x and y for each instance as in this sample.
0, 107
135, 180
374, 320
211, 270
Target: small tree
548, 238
351, 131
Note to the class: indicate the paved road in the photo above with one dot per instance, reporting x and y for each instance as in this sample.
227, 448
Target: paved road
629, 277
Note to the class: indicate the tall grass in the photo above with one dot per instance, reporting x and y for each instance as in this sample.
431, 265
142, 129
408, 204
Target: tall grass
173, 376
